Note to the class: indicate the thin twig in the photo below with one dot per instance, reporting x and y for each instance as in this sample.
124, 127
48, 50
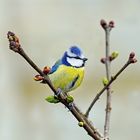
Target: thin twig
108, 75
131, 59
87, 125
113, 78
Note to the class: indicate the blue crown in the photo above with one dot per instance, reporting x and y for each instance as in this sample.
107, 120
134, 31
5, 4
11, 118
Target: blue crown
75, 50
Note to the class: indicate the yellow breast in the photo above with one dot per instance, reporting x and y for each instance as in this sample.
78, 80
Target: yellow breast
67, 78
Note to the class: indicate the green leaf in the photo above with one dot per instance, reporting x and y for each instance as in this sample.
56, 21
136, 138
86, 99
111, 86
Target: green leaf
114, 54
70, 99
81, 124
105, 81
52, 99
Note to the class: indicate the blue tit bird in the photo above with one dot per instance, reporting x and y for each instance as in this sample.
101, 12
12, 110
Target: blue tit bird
68, 72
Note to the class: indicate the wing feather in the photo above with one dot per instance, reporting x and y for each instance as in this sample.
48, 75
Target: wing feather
72, 84
55, 66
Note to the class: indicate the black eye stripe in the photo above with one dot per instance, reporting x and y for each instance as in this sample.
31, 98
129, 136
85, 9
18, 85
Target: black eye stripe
75, 57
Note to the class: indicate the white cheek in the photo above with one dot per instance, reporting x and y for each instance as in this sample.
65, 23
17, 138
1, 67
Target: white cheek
75, 62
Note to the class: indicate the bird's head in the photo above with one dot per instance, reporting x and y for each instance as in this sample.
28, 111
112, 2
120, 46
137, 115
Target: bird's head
74, 57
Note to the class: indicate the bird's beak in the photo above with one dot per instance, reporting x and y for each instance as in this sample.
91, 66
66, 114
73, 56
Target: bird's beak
85, 59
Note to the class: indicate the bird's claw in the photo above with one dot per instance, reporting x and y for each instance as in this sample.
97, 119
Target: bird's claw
59, 91
71, 105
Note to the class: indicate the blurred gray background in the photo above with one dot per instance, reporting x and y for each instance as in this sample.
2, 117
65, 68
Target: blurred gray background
46, 29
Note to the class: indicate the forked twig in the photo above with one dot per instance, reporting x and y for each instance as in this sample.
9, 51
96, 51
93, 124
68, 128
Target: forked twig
113, 78
131, 60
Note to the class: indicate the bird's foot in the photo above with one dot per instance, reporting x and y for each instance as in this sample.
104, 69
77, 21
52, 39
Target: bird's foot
59, 92
71, 106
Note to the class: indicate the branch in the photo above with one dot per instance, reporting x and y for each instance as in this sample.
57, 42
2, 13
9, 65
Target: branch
107, 30
86, 124
131, 60
113, 78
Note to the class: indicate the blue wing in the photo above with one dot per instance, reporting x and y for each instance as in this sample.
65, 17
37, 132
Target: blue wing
72, 84
55, 66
